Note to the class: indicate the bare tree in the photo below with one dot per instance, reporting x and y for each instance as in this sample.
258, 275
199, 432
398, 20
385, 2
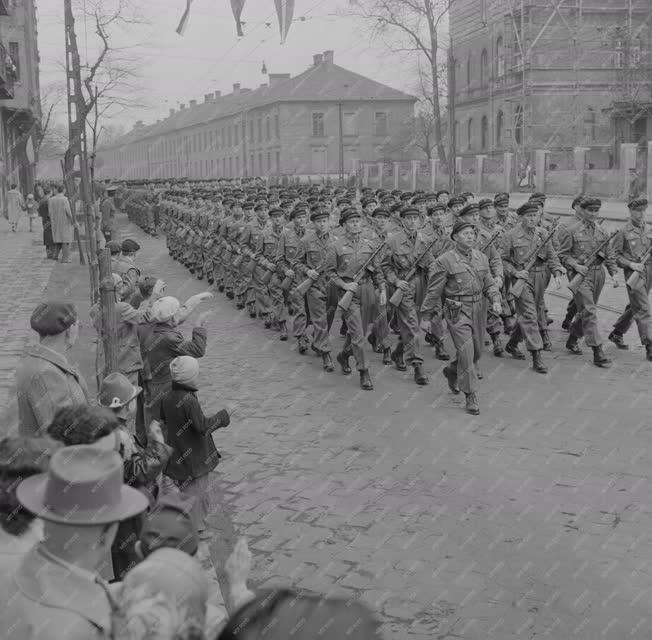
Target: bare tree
412, 26
51, 97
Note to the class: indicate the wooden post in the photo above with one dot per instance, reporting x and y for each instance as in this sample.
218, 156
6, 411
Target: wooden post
107, 339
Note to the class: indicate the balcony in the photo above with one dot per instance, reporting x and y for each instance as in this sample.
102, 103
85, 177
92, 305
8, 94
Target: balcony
7, 74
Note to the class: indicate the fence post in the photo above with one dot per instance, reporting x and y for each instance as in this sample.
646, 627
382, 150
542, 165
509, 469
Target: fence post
540, 169
579, 158
508, 168
381, 171
365, 174
396, 174
628, 152
649, 170
415, 168
433, 174
479, 169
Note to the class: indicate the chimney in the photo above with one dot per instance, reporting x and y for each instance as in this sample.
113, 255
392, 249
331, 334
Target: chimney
193, 103
236, 88
328, 56
171, 112
218, 94
276, 78
208, 97
317, 59
182, 107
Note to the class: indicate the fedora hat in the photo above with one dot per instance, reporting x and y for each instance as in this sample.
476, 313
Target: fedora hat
116, 391
83, 486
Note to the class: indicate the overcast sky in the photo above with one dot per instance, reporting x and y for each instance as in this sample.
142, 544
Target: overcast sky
210, 57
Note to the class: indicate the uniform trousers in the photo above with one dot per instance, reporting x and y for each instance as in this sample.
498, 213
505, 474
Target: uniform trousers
408, 326
586, 298
529, 308
300, 321
277, 308
354, 341
465, 324
317, 306
638, 308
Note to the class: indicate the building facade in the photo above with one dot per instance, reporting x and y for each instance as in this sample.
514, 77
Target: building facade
553, 77
20, 105
306, 125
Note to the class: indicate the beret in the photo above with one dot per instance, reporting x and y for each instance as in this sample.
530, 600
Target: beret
348, 213
469, 209
53, 318
129, 246
638, 203
379, 211
319, 212
485, 203
410, 211
591, 202
456, 200
459, 226
528, 207
440, 206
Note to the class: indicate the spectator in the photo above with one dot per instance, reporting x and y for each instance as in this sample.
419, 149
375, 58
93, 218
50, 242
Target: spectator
107, 209
166, 342
148, 289
279, 614
189, 431
30, 206
20, 530
55, 590
63, 224
15, 206
44, 214
45, 380
125, 265
114, 247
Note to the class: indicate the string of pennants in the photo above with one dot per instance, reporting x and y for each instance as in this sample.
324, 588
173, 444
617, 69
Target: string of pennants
284, 12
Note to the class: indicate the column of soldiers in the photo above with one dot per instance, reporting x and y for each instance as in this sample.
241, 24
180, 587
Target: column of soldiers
394, 264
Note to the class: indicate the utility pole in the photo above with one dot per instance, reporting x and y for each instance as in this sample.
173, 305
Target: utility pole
341, 145
452, 143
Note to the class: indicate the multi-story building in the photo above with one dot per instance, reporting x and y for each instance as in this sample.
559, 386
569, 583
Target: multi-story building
552, 76
20, 104
311, 124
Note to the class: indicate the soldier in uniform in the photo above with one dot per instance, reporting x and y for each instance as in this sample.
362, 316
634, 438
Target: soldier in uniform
517, 246
347, 256
404, 249
231, 231
458, 280
630, 246
506, 218
571, 309
250, 240
577, 240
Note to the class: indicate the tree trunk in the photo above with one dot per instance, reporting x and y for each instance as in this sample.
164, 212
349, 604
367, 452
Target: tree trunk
436, 109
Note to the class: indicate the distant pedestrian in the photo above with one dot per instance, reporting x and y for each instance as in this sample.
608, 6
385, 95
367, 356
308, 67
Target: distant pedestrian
63, 224
31, 207
44, 214
107, 209
15, 206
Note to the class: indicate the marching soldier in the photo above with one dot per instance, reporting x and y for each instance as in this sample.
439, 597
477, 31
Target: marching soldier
506, 218
250, 241
461, 277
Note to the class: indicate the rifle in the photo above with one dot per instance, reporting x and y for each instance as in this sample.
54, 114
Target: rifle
635, 278
303, 287
494, 236
397, 296
287, 283
518, 285
577, 279
346, 299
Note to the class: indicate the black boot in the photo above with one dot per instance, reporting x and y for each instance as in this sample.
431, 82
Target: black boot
268, 322
600, 359
617, 339
327, 362
371, 339
572, 346
343, 359
229, 294
547, 345
440, 351
387, 356
648, 351
252, 311
512, 347
420, 376
397, 357
365, 380
430, 339
220, 288
451, 377
284, 331
499, 350
472, 406
302, 344
537, 362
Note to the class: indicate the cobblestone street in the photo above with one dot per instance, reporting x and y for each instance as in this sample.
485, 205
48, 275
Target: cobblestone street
530, 520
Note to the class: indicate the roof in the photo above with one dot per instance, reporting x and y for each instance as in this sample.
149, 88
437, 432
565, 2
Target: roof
323, 82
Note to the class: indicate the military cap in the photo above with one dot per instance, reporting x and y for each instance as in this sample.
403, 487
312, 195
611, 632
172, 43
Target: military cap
577, 200
366, 189
53, 318
396, 192
379, 211
298, 211
312, 199
459, 226
397, 206
442, 192
467, 195
349, 213
637, 203
528, 207
433, 208
419, 200
227, 202
456, 200
538, 195
387, 199
248, 206
260, 206
343, 202
286, 203
367, 201
276, 211
410, 211
485, 203
469, 209
590, 201
129, 246
537, 200
501, 199
406, 196
319, 212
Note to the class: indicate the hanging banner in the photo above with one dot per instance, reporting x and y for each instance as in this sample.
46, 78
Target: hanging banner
183, 23
285, 11
237, 6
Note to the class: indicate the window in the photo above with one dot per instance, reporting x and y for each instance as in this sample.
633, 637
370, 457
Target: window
268, 129
252, 168
349, 123
14, 54
468, 72
236, 141
589, 126
518, 125
380, 122
469, 134
637, 52
237, 165
318, 125
500, 123
269, 161
484, 69
277, 125
619, 53
224, 167
251, 130
205, 140
260, 164
500, 58
260, 130
278, 162
484, 132
228, 131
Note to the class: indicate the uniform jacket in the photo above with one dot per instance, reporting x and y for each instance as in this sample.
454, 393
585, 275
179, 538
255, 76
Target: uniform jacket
578, 239
402, 253
288, 247
454, 274
61, 218
631, 242
312, 253
43, 600
508, 221
45, 381
189, 433
107, 208
347, 256
491, 251
444, 242
518, 244
266, 248
15, 205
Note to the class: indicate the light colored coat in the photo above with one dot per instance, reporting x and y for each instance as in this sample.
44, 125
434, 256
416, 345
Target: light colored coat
61, 218
44, 600
15, 205
45, 381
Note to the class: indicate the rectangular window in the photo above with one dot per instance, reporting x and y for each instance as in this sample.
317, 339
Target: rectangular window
318, 125
235, 135
251, 130
380, 128
269, 161
228, 130
277, 126
349, 123
260, 164
268, 129
14, 54
205, 140
260, 130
